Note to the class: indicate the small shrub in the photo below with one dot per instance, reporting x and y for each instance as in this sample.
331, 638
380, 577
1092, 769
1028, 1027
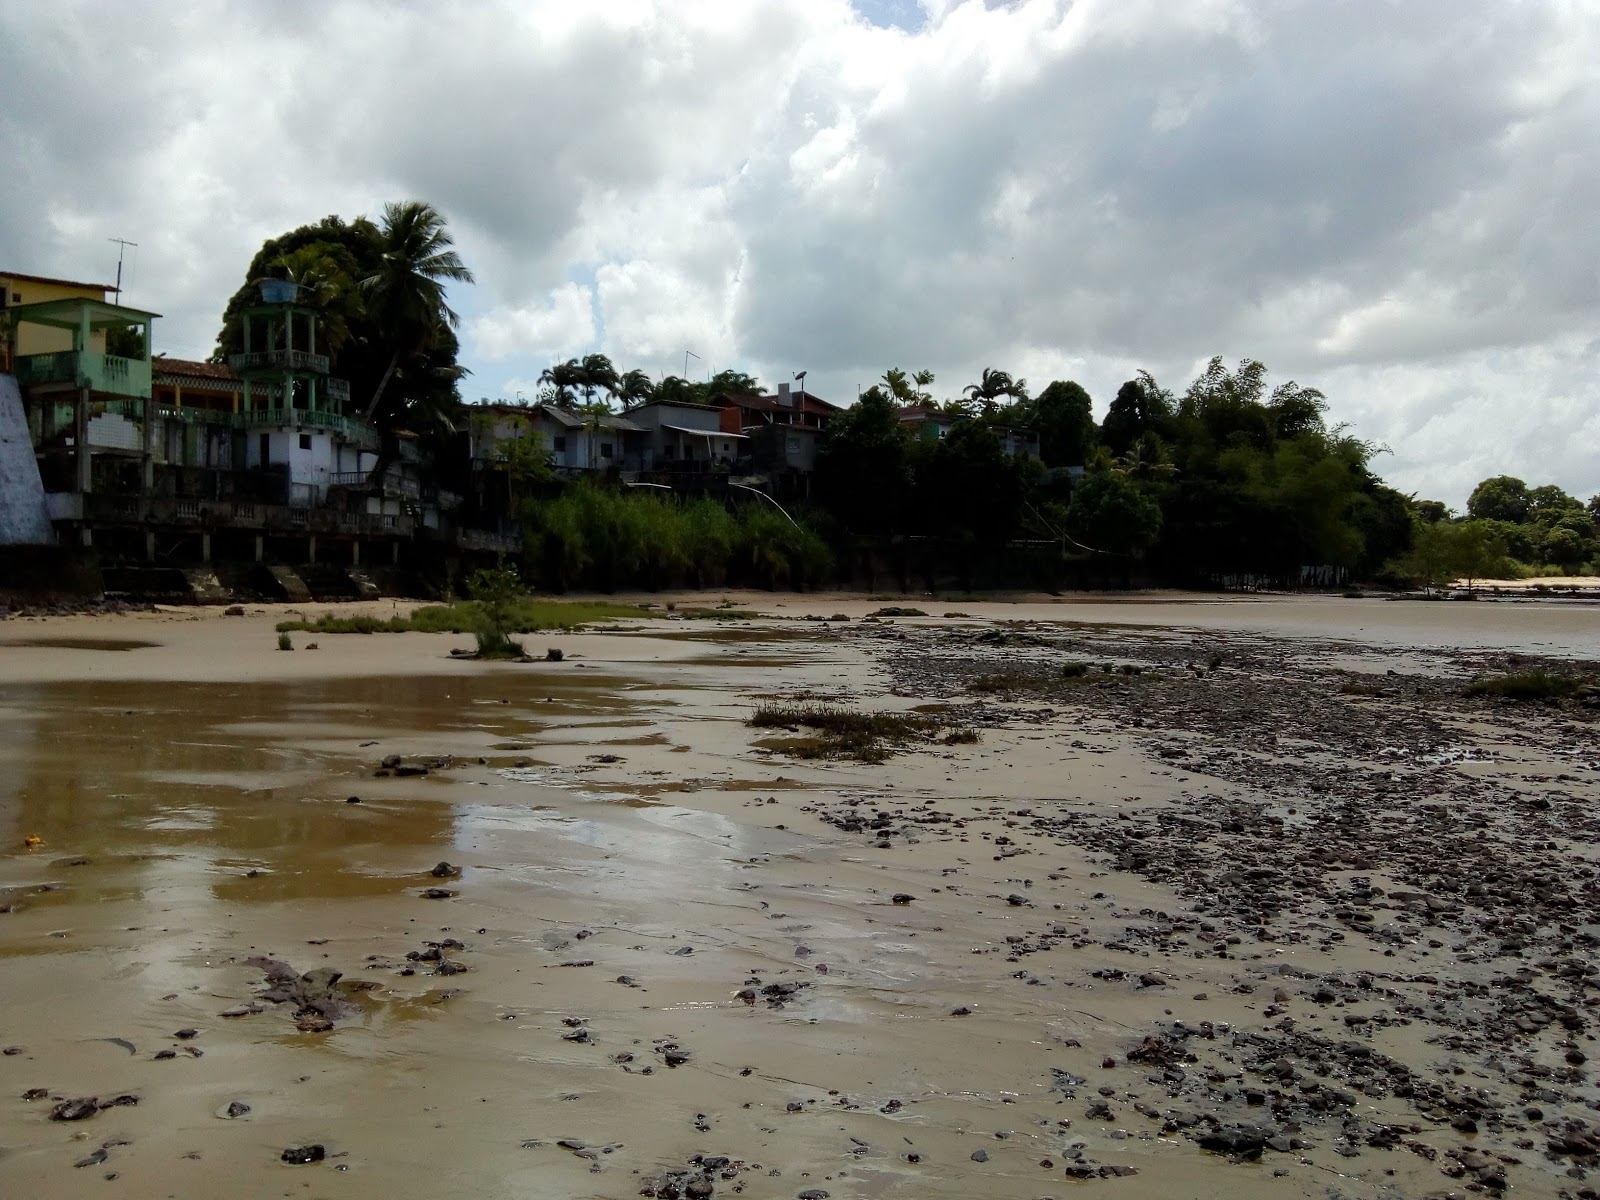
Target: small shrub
961, 737
1214, 662
496, 590
284, 643
1074, 670
895, 610
1536, 684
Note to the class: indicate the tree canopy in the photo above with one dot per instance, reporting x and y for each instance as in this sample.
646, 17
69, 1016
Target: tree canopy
380, 289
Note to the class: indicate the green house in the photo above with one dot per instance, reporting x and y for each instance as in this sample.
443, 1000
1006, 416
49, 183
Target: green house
87, 366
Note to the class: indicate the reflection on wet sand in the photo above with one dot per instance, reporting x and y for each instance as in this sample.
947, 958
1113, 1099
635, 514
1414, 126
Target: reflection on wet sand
650, 941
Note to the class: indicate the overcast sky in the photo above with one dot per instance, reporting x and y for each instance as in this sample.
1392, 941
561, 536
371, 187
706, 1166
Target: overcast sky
1397, 202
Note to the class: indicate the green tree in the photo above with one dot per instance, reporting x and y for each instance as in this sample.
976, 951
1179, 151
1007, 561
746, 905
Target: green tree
1481, 552
994, 384
1112, 514
634, 388
496, 590
1433, 559
1064, 414
1501, 498
405, 293
863, 474
597, 374
562, 381
1141, 406
907, 389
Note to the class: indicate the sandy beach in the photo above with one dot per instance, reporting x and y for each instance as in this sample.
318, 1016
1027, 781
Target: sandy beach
1182, 896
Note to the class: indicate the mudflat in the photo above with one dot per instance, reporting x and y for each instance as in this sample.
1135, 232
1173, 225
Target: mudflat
1170, 896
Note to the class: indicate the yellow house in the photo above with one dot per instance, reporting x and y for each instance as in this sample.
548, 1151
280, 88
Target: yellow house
16, 289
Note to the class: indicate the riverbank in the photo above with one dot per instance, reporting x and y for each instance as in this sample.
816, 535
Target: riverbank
1245, 895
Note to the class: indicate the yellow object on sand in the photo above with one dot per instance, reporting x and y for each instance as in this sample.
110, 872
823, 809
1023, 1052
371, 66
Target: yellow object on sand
33, 841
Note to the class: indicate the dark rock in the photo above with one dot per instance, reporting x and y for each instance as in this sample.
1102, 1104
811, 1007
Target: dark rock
92, 1159
553, 655
980, 1156
301, 1155
435, 893
445, 870
75, 1110
1243, 1141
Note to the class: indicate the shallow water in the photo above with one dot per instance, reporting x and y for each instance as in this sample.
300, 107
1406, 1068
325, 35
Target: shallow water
187, 826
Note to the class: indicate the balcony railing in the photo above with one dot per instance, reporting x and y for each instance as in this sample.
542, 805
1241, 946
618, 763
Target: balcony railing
357, 432
85, 368
279, 360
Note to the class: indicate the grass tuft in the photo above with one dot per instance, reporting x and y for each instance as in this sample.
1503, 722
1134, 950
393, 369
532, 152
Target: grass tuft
843, 732
1536, 684
465, 616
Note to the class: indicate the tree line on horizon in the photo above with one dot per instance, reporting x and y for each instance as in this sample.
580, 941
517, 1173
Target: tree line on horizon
1226, 480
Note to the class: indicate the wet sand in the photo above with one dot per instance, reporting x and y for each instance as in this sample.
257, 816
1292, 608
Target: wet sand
1072, 884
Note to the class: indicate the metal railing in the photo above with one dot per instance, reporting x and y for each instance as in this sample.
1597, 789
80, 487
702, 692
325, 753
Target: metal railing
279, 360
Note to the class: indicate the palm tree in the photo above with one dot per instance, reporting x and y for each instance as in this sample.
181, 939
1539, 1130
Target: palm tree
563, 379
406, 294
994, 384
598, 375
635, 388
325, 285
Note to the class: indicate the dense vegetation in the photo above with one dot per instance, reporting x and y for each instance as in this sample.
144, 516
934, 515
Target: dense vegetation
1229, 482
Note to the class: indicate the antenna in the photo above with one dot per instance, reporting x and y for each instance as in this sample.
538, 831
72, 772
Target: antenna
122, 246
687, 355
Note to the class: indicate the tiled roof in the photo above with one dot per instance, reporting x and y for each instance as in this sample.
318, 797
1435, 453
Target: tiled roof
798, 402
187, 368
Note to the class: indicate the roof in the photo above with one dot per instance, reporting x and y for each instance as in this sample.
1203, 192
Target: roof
567, 418
703, 432
799, 401
187, 368
103, 287
670, 404
67, 313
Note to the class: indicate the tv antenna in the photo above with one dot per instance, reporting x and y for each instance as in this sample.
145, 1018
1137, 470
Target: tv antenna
122, 246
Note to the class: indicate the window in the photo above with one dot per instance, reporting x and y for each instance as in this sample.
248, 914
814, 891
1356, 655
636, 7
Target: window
266, 449
16, 297
3, 300
305, 441
605, 449
560, 444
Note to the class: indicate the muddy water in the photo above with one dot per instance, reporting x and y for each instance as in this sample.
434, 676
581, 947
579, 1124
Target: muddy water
619, 826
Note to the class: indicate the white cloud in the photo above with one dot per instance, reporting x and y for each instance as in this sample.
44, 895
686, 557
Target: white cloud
1393, 202
558, 328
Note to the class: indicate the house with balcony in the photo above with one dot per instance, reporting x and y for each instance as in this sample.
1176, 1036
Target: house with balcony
83, 401
290, 409
17, 289
572, 442
784, 433
688, 438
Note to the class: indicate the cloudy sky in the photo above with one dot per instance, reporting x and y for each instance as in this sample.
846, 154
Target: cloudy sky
1397, 202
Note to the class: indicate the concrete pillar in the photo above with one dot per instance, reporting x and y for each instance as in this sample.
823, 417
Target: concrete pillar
261, 548
394, 552
80, 440
355, 553
86, 537
149, 546
311, 548
147, 468
205, 547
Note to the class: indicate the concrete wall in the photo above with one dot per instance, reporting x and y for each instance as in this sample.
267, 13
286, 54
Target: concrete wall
22, 506
39, 339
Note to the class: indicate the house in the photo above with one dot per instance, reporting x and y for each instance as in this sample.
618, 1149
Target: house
575, 442
81, 401
785, 430
932, 423
17, 289
687, 437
